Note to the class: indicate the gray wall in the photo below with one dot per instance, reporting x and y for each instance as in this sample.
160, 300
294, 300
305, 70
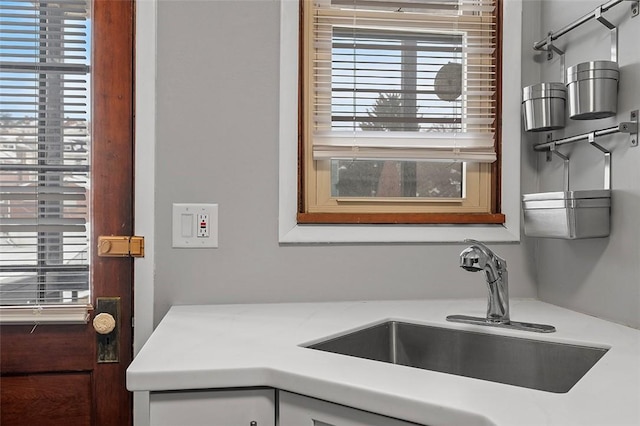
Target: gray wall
217, 141
600, 277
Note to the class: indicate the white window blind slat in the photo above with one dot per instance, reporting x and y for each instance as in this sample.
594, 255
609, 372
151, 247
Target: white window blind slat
44, 160
71, 9
406, 146
404, 154
411, 80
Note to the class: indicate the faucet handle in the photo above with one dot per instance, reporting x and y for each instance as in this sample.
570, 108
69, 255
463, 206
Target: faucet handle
479, 244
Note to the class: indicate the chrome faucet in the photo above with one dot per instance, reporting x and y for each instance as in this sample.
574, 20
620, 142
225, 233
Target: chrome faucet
479, 257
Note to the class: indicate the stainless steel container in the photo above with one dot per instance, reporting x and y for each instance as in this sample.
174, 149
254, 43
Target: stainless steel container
543, 106
567, 215
593, 90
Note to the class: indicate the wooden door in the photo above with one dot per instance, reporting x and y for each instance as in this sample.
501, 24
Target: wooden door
50, 374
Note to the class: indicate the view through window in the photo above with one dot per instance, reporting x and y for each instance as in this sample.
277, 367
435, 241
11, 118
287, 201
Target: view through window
44, 152
386, 81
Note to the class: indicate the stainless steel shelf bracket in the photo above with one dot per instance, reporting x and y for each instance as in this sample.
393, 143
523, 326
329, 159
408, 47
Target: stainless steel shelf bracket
565, 167
550, 48
607, 160
631, 127
550, 147
614, 32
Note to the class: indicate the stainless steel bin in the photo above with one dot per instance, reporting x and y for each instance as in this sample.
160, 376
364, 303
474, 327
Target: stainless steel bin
567, 215
593, 90
543, 106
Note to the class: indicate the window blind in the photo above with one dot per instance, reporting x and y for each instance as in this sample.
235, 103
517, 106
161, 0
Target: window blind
44, 156
403, 79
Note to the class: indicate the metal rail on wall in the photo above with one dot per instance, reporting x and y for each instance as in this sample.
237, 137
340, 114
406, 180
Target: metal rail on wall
546, 43
630, 127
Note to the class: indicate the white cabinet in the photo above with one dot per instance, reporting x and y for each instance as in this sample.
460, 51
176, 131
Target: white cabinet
255, 407
243, 407
298, 410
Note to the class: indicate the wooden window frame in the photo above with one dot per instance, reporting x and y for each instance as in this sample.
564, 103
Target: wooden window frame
476, 212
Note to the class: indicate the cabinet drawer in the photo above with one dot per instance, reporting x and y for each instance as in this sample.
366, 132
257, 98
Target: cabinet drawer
213, 408
298, 410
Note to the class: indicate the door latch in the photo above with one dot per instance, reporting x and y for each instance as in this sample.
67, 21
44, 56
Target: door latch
107, 326
120, 246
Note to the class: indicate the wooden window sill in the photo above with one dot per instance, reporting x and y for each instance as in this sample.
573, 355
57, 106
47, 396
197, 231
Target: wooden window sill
401, 218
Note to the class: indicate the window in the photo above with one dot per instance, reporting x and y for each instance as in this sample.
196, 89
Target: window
398, 112
44, 153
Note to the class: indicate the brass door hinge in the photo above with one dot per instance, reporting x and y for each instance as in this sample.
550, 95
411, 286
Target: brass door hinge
119, 246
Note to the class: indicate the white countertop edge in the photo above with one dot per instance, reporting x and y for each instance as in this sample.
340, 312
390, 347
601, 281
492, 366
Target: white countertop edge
384, 388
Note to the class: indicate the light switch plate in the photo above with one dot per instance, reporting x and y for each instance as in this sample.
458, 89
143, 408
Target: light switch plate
187, 231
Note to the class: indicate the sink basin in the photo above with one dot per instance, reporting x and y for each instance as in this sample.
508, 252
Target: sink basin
534, 364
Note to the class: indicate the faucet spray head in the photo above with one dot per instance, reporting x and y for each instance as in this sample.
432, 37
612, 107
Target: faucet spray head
479, 257
470, 260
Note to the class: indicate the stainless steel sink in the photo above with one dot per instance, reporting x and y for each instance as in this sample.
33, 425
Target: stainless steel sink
534, 364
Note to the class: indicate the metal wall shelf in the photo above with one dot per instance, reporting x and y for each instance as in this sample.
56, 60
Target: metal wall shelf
592, 209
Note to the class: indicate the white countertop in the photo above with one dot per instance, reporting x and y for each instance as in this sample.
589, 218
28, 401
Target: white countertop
220, 346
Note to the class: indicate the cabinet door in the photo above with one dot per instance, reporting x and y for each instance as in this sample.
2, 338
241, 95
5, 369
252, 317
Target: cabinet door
298, 410
213, 408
